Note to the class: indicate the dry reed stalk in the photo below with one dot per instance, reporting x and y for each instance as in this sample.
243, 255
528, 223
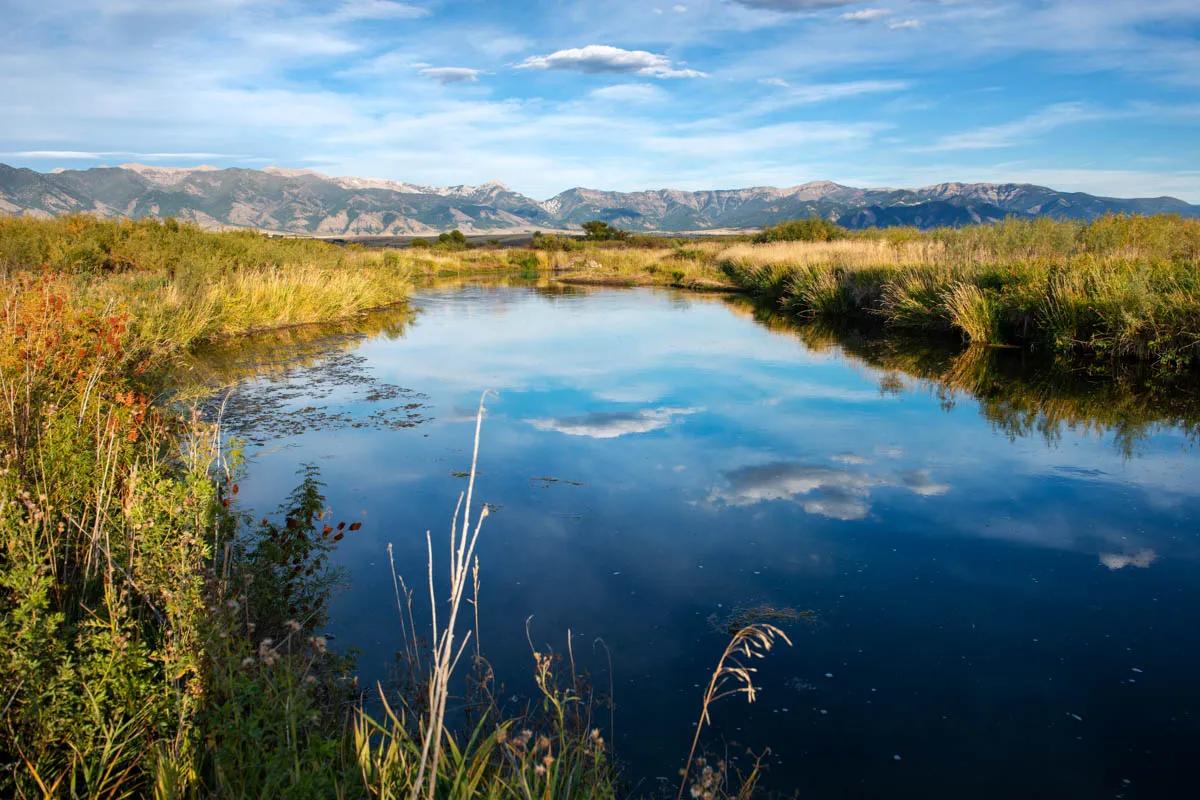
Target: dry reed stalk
445, 657
753, 641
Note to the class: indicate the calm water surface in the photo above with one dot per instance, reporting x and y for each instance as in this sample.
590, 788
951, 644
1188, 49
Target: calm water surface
1005, 606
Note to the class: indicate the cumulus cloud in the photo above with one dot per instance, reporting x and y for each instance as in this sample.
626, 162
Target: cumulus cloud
611, 424
445, 75
597, 58
905, 24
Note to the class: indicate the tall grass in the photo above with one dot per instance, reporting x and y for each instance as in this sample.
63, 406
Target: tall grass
180, 286
1118, 288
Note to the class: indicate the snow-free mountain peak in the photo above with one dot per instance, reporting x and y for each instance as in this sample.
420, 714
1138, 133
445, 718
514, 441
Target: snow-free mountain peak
303, 201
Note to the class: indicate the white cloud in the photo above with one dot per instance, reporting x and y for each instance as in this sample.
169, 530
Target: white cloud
904, 24
597, 58
446, 75
865, 14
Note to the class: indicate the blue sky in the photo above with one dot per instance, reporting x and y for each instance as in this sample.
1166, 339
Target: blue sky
1101, 97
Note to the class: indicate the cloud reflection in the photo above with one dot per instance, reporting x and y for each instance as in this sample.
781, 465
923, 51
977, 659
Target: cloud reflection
611, 424
833, 492
1142, 558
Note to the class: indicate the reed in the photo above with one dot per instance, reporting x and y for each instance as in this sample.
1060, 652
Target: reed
732, 676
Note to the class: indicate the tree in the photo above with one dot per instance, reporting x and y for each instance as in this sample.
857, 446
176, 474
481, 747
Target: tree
598, 231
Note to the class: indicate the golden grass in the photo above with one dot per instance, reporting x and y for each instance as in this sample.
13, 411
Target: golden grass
847, 253
732, 676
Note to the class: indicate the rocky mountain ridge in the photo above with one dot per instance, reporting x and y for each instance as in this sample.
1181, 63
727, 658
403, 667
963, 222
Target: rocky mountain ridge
302, 201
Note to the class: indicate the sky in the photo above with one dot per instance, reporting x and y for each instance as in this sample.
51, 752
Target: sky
1102, 97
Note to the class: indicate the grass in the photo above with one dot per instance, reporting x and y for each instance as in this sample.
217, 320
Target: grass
179, 286
158, 641
1121, 288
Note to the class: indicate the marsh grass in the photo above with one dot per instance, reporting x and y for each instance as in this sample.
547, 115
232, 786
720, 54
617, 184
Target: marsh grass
181, 286
1117, 289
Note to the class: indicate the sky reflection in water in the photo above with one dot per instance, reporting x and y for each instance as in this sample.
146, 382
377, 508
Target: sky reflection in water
1012, 615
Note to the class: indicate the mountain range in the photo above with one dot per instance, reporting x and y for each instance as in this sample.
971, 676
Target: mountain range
307, 202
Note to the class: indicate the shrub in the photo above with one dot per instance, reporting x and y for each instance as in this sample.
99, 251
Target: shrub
812, 229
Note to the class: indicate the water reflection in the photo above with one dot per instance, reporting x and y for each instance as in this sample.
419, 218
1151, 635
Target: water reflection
1141, 558
611, 424
987, 541
829, 491
1020, 393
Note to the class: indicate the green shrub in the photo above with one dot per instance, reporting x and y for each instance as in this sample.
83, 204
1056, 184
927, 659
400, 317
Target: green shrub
812, 229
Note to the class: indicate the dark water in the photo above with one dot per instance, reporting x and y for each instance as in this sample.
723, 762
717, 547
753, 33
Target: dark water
1003, 569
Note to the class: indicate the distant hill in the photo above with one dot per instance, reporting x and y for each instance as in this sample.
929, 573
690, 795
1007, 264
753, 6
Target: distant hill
306, 202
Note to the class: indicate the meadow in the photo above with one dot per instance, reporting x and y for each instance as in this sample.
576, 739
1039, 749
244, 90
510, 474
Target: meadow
158, 641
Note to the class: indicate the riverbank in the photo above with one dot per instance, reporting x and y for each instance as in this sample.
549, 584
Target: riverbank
133, 660
1117, 289
158, 640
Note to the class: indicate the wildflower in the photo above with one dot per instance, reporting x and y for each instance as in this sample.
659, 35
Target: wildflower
539, 770
247, 661
294, 626
547, 759
266, 652
543, 743
310, 679
318, 644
